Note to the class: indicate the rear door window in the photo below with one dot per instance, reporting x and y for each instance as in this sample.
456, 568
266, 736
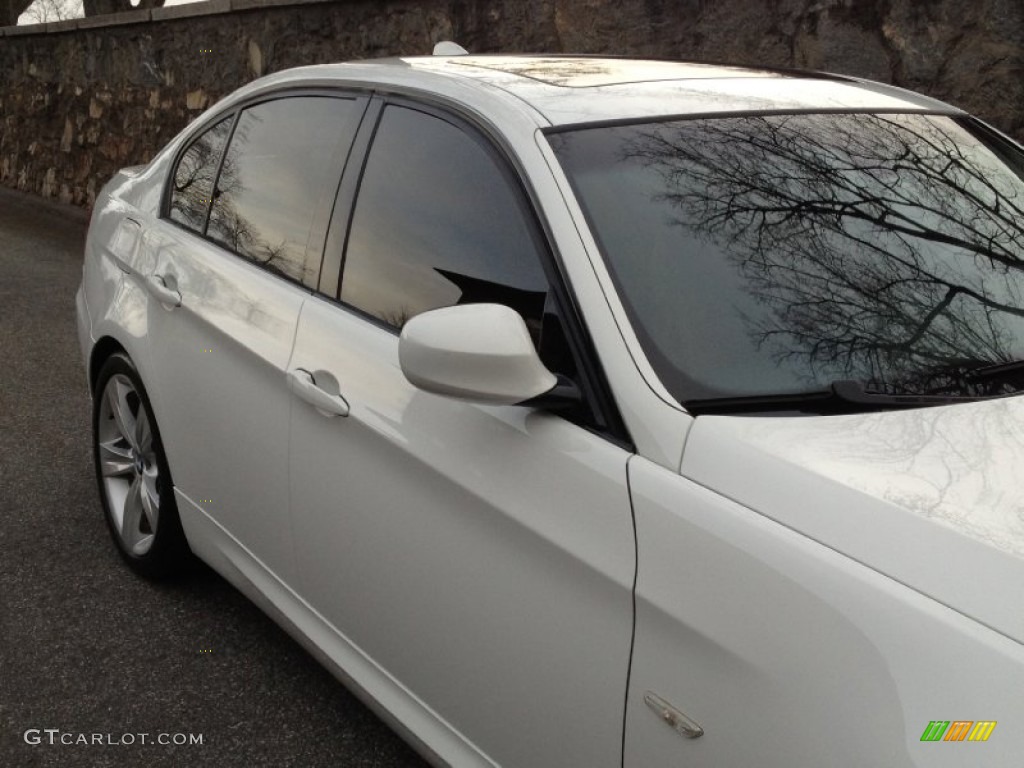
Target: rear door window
279, 176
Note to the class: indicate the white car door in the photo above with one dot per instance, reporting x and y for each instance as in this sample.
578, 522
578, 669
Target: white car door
475, 562
226, 303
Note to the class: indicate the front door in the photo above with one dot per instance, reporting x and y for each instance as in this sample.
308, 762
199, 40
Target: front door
482, 557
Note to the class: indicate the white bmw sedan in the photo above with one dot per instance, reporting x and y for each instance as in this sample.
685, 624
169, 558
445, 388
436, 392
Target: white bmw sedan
588, 412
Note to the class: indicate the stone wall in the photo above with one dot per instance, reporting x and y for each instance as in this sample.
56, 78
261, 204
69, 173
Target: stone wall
80, 99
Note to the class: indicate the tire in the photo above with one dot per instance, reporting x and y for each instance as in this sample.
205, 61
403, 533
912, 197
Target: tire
134, 480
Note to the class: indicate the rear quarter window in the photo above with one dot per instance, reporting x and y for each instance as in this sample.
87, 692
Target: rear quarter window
194, 175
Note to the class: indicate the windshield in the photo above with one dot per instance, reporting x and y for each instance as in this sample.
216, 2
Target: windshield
777, 254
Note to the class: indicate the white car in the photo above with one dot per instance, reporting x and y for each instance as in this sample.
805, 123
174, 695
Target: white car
586, 411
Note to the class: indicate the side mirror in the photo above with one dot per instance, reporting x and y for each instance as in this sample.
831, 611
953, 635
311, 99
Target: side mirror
477, 352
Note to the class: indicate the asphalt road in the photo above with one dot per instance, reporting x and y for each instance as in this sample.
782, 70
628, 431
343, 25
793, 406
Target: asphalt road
90, 649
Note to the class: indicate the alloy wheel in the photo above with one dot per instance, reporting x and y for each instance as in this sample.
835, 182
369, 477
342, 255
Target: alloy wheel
128, 464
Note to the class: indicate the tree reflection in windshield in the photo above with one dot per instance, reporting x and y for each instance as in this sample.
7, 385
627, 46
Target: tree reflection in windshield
884, 248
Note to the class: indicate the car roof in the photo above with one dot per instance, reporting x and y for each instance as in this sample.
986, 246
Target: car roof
571, 90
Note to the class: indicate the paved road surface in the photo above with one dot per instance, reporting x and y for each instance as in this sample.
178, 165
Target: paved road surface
85, 646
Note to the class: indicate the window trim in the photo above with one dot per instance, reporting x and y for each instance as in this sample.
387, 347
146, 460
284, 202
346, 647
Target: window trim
617, 122
339, 221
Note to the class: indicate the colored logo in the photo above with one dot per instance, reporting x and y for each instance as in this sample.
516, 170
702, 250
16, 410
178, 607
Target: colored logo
958, 730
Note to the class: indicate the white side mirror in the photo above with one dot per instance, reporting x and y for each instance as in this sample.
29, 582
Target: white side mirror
478, 352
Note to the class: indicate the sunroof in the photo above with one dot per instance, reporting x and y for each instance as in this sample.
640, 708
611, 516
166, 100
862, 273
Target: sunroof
588, 72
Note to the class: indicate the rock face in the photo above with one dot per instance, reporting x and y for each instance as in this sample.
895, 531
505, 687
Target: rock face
80, 102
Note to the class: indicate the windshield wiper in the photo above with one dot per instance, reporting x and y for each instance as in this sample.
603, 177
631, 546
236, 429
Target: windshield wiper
844, 396
996, 369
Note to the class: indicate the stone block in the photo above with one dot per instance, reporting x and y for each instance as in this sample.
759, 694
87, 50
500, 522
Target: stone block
65, 141
114, 19
196, 99
248, 5
255, 59
25, 29
68, 25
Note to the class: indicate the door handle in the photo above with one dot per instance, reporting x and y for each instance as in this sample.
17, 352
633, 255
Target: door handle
300, 381
170, 298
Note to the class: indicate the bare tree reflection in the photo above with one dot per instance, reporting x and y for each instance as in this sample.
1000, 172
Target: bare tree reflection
881, 247
194, 176
235, 228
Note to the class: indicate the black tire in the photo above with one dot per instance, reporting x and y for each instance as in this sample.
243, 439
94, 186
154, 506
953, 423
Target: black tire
132, 475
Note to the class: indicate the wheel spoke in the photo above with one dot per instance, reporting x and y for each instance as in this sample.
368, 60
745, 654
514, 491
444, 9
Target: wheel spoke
150, 499
122, 412
143, 434
115, 460
130, 532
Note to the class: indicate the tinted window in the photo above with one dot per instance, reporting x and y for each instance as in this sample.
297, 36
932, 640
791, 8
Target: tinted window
193, 178
438, 223
777, 254
282, 161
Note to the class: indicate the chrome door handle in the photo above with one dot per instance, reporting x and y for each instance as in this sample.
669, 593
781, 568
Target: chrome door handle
167, 296
300, 381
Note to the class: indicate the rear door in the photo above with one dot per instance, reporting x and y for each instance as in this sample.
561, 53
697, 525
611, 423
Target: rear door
239, 256
481, 556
